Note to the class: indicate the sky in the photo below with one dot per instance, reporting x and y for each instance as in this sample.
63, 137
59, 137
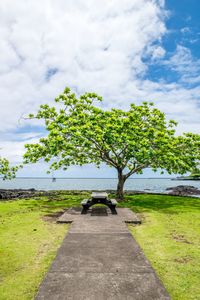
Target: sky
126, 51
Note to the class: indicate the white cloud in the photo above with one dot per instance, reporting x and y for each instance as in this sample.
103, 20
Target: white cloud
154, 52
185, 30
158, 52
185, 64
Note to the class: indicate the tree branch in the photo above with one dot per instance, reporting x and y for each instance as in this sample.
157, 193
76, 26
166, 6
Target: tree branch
104, 155
134, 170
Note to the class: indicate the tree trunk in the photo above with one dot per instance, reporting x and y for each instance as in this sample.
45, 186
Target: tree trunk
120, 185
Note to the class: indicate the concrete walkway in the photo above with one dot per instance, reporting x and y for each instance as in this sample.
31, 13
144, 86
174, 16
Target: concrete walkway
99, 260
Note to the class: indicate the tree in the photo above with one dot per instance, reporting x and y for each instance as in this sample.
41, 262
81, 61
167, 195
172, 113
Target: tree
5, 169
80, 133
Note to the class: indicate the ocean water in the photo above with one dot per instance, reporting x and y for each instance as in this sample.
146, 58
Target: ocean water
156, 185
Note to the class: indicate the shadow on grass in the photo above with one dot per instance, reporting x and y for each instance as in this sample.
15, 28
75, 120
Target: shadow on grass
161, 203
138, 203
50, 204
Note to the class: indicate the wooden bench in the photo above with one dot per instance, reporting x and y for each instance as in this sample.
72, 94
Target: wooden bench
99, 198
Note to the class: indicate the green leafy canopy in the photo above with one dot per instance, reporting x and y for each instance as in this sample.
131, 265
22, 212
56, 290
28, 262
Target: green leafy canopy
80, 132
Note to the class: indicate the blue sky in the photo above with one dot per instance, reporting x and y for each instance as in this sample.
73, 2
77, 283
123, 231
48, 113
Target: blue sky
183, 25
126, 51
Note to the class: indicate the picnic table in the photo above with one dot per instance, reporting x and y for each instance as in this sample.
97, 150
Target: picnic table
99, 198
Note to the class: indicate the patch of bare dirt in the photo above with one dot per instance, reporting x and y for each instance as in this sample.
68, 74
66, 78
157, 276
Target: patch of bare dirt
180, 238
53, 216
183, 260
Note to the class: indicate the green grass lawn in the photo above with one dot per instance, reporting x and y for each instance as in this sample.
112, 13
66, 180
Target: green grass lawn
169, 236
28, 243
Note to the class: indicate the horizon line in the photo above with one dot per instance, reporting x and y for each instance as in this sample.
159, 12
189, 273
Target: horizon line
29, 177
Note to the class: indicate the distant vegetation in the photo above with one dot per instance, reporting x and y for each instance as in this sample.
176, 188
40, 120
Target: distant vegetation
195, 173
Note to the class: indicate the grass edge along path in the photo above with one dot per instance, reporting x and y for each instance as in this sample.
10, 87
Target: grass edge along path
29, 240
170, 239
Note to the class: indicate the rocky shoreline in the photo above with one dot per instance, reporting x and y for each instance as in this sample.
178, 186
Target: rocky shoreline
20, 193
181, 190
